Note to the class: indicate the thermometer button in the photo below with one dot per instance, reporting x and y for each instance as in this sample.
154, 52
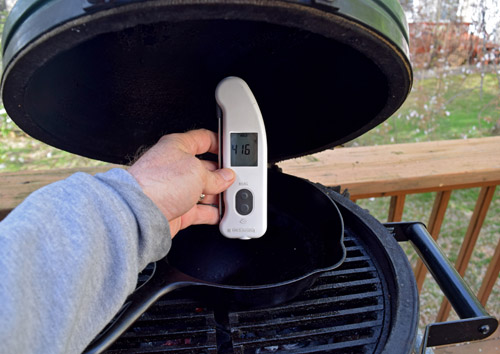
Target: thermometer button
244, 202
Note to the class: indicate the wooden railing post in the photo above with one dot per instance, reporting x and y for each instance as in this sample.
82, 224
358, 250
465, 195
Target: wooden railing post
396, 208
470, 239
434, 227
490, 277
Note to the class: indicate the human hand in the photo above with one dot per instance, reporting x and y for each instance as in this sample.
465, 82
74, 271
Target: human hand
174, 178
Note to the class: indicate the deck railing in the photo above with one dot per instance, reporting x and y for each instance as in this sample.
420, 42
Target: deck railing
393, 171
398, 170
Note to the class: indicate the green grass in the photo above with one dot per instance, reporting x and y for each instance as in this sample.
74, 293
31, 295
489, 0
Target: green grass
20, 152
450, 107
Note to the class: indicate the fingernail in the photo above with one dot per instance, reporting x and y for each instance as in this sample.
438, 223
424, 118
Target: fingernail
227, 174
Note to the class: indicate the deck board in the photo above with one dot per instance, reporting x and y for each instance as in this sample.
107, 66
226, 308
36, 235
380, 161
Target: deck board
385, 170
390, 169
16, 186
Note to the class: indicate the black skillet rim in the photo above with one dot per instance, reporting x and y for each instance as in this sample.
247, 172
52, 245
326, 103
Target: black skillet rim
311, 274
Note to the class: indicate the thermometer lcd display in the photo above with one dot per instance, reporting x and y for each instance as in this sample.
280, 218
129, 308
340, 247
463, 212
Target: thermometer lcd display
244, 149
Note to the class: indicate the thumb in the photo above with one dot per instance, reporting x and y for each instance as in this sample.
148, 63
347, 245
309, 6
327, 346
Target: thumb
218, 181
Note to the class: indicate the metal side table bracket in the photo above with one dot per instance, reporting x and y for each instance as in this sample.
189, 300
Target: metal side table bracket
475, 323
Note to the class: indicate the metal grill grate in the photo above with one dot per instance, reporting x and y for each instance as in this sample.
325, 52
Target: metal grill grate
344, 312
175, 324
172, 326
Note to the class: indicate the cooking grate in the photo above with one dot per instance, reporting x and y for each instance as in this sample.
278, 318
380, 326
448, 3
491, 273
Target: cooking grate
345, 312
171, 325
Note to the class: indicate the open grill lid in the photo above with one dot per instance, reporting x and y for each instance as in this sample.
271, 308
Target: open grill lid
104, 78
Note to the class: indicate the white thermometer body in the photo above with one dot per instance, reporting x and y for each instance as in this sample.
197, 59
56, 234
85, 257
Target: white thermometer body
243, 148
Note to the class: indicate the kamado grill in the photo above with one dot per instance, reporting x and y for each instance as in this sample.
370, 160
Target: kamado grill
105, 78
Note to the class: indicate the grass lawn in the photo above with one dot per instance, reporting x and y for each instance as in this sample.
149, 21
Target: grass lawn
20, 152
451, 107
443, 106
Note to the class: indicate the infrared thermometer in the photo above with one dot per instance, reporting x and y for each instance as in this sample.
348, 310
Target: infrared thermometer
243, 148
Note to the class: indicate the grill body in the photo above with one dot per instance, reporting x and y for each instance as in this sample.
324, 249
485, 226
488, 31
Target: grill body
368, 305
103, 79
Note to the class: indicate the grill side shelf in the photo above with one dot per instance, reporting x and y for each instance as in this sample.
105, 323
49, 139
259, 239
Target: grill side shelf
475, 323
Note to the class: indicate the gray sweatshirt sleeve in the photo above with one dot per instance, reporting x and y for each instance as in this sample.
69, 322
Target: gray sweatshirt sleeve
70, 255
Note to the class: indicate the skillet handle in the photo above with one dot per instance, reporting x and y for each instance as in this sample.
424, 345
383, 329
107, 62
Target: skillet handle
475, 323
164, 280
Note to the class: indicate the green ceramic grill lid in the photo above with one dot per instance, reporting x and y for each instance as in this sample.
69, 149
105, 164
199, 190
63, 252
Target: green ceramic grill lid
104, 78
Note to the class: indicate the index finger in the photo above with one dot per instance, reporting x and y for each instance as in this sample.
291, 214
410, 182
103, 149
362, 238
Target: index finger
197, 142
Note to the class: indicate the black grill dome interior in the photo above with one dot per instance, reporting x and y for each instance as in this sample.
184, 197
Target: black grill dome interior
133, 83
112, 84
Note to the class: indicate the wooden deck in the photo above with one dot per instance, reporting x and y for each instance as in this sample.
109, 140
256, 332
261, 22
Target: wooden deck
374, 171
391, 170
401, 169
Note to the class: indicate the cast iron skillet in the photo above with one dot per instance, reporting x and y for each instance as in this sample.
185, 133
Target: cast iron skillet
304, 239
